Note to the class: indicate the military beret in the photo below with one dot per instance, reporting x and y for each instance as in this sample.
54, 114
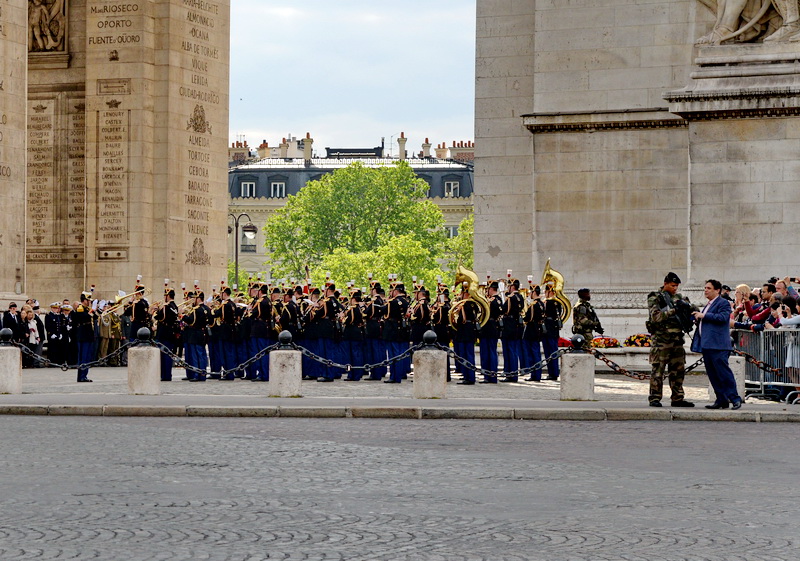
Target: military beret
672, 277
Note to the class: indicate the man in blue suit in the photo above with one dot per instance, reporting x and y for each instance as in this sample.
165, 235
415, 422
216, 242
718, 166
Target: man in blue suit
713, 339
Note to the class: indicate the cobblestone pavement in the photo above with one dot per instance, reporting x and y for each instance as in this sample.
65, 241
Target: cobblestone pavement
310, 489
608, 387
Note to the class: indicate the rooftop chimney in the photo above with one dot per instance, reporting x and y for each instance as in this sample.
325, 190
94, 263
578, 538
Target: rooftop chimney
426, 149
284, 146
402, 143
307, 147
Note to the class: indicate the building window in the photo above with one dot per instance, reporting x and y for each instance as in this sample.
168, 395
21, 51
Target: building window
451, 231
451, 189
278, 189
248, 189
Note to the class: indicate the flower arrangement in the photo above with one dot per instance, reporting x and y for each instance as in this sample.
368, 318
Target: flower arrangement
638, 340
604, 343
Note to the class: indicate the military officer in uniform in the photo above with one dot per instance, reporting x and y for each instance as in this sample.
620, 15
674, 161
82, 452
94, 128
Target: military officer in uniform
395, 333
56, 332
138, 310
584, 318
375, 346
666, 331
311, 332
83, 328
465, 332
325, 315
194, 336
260, 333
353, 336
167, 331
440, 314
532, 334
511, 331
419, 314
226, 316
551, 331
490, 333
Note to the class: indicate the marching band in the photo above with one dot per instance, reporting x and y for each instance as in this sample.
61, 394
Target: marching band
357, 328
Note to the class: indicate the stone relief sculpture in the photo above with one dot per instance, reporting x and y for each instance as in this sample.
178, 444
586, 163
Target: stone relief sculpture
752, 21
47, 23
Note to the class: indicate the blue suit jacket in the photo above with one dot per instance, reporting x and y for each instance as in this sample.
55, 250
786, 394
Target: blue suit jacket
715, 327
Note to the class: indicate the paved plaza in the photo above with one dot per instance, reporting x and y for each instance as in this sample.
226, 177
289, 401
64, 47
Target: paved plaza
608, 387
381, 489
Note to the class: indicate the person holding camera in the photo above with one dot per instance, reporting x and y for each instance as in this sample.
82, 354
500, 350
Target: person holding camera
669, 317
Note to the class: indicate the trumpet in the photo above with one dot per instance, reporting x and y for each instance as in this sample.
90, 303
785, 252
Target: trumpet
120, 300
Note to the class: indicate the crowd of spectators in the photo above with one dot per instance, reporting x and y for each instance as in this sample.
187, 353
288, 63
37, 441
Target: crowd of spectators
776, 304
31, 327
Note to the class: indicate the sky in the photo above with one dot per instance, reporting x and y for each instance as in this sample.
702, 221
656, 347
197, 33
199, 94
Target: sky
352, 71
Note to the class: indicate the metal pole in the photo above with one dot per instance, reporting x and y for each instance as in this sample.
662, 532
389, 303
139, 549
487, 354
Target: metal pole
236, 250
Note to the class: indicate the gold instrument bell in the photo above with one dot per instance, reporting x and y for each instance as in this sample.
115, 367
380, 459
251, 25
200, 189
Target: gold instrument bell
469, 280
554, 279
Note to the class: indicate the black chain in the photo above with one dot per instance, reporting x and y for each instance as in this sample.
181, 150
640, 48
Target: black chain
180, 362
758, 363
697, 363
619, 369
64, 366
349, 367
495, 374
632, 373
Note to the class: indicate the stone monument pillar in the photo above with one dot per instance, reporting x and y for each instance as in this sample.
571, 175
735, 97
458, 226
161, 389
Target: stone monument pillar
13, 68
133, 148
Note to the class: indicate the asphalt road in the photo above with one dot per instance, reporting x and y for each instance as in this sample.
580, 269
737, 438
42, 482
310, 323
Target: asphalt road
250, 489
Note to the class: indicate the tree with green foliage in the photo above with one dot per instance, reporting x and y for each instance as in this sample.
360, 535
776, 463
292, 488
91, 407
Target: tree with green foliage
461, 248
358, 220
244, 276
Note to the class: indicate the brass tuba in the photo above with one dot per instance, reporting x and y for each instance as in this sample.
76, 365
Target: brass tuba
556, 280
473, 289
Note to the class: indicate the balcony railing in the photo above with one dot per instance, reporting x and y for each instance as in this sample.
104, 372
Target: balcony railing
247, 248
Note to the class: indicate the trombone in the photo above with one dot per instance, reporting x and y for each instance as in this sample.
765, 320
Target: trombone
120, 300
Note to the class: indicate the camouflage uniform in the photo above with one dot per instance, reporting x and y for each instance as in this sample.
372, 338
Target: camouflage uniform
667, 353
584, 322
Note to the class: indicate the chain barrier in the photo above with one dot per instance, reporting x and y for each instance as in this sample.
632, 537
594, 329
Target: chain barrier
634, 374
105, 361
760, 364
619, 369
496, 374
349, 367
180, 362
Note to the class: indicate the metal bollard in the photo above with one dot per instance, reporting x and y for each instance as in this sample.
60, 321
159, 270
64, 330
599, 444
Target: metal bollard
10, 365
577, 374
430, 370
144, 367
737, 364
285, 369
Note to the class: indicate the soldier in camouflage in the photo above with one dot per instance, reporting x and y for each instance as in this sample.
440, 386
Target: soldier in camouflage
666, 307
584, 318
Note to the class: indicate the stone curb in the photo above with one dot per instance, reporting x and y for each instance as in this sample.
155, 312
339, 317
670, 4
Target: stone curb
408, 412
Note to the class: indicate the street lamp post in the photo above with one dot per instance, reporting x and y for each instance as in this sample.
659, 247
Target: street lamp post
249, 230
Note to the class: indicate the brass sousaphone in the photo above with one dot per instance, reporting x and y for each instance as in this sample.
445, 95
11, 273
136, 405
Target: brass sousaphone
554, 279
464, 275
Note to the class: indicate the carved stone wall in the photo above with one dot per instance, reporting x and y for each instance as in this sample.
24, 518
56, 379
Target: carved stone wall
129, 148
612, 144
13, 50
